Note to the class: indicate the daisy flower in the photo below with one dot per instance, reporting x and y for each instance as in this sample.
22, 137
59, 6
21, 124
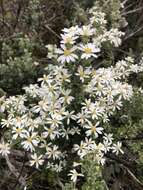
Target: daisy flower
74, 174
68, 39
93, 129
4, 149
74, 30
36, 160
66, 54
117, 148
89, 50
83, 73
18, 132
53, 152
30, 142
86, 31
80, 149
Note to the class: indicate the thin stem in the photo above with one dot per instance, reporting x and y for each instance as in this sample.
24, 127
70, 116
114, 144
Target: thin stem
132, 11
21, 171
52, 31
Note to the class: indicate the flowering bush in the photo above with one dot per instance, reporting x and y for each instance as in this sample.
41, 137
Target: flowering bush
63, 118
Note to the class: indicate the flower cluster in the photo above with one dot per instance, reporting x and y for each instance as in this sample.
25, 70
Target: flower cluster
84, 42
64, 115
40, 126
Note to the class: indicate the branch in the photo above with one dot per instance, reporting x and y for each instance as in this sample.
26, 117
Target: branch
119, 160
132, 139
13, 170
2, 10
125, 1
133, 33
52, 31
134, 179
132, 11
125, 165
20, 174
20, 4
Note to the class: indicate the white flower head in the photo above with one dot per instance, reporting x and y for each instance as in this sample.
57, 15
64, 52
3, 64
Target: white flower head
93, 129
74, 174
86, 31
89, 50
67, 54
117, 148
36, 160
68, 39
4, 149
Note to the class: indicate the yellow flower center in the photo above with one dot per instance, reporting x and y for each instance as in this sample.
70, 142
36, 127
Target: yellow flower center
93, 129
88, 50
50, 131
18, 130
67, 52
29, 139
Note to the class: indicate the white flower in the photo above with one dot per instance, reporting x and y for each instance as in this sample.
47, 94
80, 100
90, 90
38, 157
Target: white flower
89, 50
74, 174
2, 104
7, 122
117, 148
4, 149
81, 149
18, 132
52, 48
33, 124
90, 144
140, 90
95, 110
75, 130
51, 132
134, 68
83, 74
66, 54
32, 90
107, 146
65, 132
45, 79
82, 118
87, 104
36, 63
130, 59
93, 129
86, 31
114, 36
31, 141
66, 98
75, 164
99, 19
69, 116
74, 30
58, 167
100, 159
41, 107
36, 160
68, 39
54, 121
53, 152
108, 138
